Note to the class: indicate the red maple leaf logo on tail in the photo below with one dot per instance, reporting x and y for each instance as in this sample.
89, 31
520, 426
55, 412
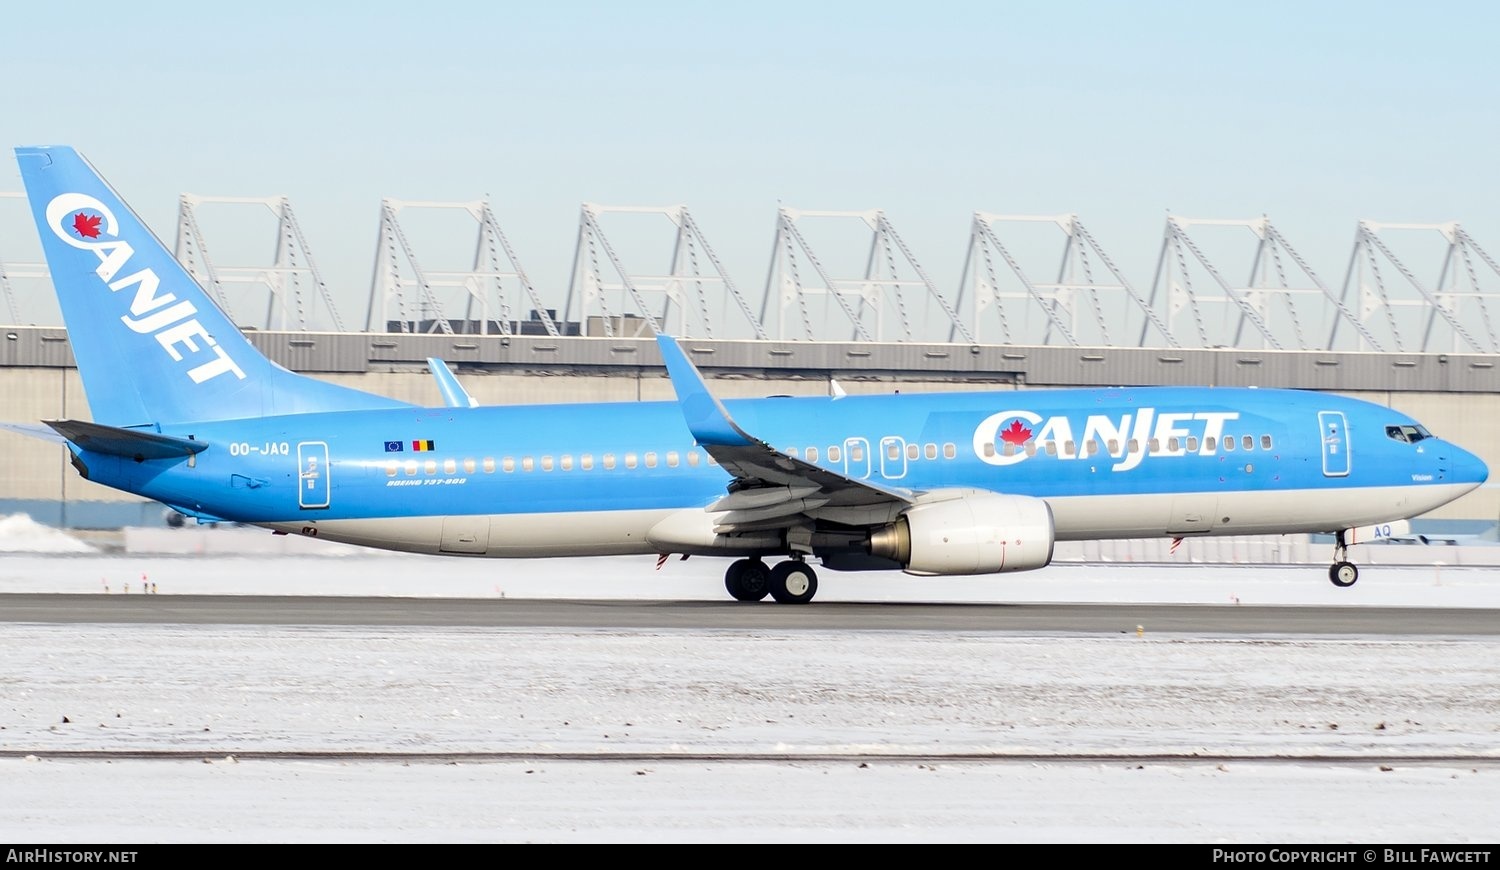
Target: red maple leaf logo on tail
1015, 433
86, 226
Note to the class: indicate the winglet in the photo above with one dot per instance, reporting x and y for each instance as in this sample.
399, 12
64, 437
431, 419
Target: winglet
454, 394
706, 417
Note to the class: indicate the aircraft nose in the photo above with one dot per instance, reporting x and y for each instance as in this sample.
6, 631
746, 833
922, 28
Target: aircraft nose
1465, 467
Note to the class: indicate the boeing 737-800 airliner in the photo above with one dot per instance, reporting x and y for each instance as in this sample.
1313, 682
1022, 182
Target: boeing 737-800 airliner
185, 411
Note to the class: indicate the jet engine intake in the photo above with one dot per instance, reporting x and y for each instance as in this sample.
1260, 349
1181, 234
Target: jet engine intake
977, 533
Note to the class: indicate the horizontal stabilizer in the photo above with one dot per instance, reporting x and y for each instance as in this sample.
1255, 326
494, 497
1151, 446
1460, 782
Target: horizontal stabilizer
129, 443
34, 430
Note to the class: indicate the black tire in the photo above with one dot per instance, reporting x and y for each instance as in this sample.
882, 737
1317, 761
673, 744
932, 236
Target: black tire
1343, 574
793, 582
748, 580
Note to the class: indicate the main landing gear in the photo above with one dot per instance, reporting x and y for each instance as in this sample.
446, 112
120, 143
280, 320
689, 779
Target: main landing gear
790, 582
1342, 572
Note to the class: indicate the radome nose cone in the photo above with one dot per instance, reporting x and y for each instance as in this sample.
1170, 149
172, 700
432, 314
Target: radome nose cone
1467, 468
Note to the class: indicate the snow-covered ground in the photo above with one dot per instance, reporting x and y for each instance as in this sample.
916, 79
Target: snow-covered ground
780, 697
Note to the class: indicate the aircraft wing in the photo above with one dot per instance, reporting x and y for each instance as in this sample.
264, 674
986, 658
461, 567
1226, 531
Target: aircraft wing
770, 489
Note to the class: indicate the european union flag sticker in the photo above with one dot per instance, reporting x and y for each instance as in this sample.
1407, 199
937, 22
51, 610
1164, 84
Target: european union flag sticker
393, 447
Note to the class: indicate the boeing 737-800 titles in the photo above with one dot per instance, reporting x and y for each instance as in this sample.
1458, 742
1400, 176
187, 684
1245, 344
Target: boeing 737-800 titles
185, 411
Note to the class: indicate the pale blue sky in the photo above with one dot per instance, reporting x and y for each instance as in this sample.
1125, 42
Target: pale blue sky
1316, 113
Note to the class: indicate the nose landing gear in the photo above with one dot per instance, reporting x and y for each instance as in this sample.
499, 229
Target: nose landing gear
1342, 572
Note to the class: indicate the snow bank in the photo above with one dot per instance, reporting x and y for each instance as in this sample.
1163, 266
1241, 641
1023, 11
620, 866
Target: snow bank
19, 533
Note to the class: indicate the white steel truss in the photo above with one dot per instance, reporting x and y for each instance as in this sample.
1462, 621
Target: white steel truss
682, 291
1064, 302
14, 269
291, 266
874, 294
1268, 301
400, 285
1457, 297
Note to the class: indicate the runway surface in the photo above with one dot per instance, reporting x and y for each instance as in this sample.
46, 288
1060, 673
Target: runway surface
819, 616
559, 704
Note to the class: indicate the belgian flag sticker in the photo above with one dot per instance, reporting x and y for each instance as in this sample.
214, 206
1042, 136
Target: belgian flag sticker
423, 446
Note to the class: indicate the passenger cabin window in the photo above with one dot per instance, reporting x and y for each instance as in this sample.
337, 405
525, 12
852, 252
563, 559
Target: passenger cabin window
391, 468
630, 460
411, 466
950, 450
1192, 444
931, 451
565, 462
672, 458
1030, 448
586, 462
450, 466
546, 463
1247, 442
1210, 444
609, 462
489, 465
1051, 448
812, 454
693, 458
1228, 443
915, 452
1265, 442
651, 460
892, 452
792, 452
1173, 445
430, 466
833, 454
528, 464
469, 466
856, 453
989, 448
508, 464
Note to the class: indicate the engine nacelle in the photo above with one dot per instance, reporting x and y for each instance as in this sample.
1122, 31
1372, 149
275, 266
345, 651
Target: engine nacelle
975, 533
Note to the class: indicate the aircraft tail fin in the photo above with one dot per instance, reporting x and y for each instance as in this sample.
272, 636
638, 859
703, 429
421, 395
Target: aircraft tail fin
152, 347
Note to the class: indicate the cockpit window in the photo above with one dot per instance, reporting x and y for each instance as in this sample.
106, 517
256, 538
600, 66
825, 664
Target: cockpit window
1409, 434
